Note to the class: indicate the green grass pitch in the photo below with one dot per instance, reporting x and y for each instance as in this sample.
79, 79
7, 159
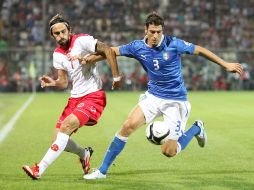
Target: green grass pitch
227, 163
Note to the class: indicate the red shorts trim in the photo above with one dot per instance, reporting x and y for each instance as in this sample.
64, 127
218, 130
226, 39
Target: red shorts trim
88, 108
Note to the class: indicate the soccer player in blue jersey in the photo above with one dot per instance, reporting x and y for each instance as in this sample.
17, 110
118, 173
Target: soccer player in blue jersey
160, 56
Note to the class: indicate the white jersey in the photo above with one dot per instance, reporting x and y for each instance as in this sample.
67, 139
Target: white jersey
85, 78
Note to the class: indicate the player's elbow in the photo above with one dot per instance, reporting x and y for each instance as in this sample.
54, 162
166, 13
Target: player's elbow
65, 84
198, 50
62, 84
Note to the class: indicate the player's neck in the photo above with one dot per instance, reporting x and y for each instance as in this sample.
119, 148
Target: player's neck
65, 47
153, 46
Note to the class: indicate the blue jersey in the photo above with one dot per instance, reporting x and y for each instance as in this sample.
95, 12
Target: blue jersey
162, 64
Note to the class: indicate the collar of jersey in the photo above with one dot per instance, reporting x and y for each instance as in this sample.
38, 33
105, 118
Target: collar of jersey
162, 38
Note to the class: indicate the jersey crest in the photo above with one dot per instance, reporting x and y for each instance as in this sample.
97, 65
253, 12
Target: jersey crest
165, 55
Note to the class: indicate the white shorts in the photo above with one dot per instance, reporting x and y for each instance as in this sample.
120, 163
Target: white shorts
175, 113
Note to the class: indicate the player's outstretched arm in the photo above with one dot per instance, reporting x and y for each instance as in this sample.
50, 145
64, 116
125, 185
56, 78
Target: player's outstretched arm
93, 58
110, 55
61, 82
230, 67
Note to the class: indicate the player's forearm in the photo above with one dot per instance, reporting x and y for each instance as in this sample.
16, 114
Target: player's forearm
57, 84
95, 58
209, 55
110, 55
111, 59
61, 84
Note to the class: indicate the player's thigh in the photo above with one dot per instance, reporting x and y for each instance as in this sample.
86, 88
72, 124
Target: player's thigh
69, 108
175, 116
169, 148
150, 107
135, 120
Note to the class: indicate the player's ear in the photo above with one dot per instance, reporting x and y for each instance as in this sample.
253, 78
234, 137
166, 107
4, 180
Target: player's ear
70, 30
145, 30
51, 35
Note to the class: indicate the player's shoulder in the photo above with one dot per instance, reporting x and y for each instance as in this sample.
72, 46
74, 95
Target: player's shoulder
137, 44
171, 39
58, 52
174, 41
78, 37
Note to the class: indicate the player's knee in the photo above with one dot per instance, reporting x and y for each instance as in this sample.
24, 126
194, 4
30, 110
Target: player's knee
69, 125
168, 152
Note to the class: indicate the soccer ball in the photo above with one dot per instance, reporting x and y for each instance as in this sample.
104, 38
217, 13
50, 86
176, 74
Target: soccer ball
157, 132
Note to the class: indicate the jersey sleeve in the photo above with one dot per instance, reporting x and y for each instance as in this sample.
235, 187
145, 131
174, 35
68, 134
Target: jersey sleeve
184, 47
57, 63
128, 50
87, 43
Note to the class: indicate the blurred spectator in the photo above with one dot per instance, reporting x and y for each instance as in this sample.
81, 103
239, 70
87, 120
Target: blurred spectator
3, 76
220, 83
214, 23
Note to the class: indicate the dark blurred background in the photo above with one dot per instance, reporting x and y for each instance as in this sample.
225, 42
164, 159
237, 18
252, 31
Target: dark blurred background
223, 26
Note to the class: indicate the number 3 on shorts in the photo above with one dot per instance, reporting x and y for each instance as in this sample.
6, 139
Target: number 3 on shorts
178, 129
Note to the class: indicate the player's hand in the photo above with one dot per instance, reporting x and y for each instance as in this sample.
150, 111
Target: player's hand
47, 81
76, 57
82, 59
235, 68
88, 59
117, 84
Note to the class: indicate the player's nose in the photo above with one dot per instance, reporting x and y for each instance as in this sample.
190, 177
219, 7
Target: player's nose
156, 35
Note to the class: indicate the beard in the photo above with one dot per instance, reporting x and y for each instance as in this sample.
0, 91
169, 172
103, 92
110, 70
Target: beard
63, 42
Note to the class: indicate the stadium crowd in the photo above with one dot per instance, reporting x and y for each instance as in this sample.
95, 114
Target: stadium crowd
220, 25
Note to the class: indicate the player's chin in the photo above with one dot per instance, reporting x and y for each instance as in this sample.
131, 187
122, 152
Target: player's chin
154, 44
63, 43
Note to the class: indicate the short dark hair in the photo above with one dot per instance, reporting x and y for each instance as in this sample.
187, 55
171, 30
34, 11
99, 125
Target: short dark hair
58, 18
155, 19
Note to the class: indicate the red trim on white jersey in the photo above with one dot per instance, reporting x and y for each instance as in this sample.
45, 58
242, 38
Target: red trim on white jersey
59, 49
85, 78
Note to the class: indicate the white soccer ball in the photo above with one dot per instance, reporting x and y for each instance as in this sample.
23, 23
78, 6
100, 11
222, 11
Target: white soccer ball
157, 132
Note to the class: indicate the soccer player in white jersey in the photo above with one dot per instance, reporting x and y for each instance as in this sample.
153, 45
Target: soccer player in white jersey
160, 56
87, 100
